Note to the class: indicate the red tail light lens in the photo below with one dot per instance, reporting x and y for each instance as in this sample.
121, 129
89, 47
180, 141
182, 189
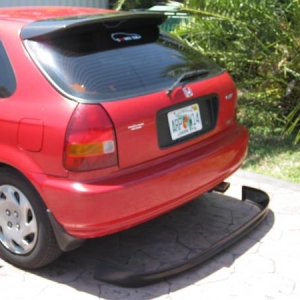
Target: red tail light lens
90, 141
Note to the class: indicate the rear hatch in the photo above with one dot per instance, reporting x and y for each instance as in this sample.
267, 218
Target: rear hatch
160, 95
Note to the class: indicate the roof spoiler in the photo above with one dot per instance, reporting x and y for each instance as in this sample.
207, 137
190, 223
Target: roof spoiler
111, 20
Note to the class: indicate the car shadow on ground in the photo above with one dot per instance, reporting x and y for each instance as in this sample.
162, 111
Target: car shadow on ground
164, 242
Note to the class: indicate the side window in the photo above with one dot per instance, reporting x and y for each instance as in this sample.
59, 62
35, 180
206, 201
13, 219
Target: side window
7, 77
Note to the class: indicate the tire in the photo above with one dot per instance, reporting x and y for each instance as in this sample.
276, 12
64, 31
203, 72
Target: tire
26, 236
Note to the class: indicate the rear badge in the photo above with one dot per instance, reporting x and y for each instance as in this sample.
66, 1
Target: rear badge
121, 37
136, 126
229, 96
187, 92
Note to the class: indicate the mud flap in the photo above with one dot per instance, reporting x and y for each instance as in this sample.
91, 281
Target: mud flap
179, 240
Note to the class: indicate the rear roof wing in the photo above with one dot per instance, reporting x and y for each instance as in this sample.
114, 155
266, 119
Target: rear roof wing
110, 20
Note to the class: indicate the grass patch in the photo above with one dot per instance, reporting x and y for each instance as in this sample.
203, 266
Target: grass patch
275, 156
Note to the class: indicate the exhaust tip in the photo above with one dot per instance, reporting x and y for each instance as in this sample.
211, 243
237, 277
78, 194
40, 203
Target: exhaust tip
221, 187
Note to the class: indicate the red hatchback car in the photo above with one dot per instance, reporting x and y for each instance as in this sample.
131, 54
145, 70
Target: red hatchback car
106, 122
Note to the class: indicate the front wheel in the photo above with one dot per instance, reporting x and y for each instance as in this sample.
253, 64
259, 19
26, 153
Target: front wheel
26, 236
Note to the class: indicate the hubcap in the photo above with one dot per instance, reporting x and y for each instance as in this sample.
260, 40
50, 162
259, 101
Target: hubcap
18, 225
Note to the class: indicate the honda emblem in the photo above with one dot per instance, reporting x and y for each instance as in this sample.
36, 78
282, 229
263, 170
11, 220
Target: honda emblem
187, 92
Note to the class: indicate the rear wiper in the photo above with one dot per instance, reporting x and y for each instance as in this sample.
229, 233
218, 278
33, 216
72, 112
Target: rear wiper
185, 76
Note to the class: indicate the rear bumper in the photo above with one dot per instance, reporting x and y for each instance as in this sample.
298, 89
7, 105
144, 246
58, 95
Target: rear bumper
93, 209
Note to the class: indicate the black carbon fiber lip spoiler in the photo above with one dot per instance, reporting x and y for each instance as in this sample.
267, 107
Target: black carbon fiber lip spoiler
122, 274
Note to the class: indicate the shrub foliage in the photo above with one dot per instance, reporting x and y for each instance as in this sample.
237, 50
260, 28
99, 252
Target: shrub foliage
258, 42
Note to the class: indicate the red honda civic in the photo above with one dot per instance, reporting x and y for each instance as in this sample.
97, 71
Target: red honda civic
106, 122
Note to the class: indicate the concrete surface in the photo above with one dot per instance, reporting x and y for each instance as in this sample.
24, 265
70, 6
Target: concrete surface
264, 264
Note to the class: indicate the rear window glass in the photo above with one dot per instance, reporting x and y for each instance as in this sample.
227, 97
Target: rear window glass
111, 63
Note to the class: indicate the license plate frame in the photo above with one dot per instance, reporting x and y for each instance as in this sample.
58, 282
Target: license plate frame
184, 121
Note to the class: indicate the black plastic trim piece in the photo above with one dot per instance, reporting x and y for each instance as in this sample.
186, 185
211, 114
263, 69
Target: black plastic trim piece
65, 241
121, 276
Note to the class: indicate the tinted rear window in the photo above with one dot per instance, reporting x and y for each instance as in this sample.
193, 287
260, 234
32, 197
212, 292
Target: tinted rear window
98, 63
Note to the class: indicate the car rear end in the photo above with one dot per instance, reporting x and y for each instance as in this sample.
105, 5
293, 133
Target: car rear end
154, 124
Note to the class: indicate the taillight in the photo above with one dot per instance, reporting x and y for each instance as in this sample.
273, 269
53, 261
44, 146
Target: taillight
90, 141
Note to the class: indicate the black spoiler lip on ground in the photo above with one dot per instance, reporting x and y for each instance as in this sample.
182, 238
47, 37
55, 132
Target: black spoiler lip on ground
119, 274
51, 26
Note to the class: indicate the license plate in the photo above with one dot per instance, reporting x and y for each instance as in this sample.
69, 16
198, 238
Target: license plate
184, 121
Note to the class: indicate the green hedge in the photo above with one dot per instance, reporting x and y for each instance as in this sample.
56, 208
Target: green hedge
258, 41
